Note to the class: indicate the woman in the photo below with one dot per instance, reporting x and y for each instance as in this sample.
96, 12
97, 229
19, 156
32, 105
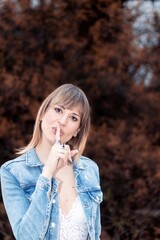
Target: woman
51, 191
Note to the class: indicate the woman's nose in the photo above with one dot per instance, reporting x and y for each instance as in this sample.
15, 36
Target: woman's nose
63, 119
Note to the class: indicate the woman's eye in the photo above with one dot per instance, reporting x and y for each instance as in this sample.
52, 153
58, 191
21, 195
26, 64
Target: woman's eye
74, 118
58, 110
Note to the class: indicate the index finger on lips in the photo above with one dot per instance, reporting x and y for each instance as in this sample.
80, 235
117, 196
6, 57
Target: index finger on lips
57, 137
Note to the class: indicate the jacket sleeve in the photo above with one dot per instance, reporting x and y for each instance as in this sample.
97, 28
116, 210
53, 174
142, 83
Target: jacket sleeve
23, 214
98, 227
97, 197
98, 224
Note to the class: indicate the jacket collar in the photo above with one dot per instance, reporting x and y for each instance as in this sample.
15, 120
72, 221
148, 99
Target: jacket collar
32, 159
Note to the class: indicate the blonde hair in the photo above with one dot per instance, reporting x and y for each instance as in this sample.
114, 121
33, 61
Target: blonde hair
69, 96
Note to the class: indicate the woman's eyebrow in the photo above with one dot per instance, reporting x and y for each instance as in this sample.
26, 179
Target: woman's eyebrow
76, 114
58, 105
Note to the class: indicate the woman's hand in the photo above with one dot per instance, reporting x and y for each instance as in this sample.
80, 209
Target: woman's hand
59, 156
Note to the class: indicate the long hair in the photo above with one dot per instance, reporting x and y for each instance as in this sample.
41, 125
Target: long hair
69, 96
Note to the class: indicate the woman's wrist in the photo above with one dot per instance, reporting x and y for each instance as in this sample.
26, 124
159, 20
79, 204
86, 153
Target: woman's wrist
47, 172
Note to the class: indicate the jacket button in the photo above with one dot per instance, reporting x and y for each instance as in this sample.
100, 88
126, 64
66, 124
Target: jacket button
53, 201
52, 225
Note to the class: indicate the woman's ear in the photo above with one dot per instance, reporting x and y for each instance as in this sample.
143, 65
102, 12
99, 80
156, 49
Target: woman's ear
75, 135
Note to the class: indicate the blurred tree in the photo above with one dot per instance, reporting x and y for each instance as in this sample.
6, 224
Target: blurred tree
45, 45
89, 43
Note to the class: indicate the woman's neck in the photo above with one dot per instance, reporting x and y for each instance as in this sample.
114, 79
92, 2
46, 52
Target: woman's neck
43, 151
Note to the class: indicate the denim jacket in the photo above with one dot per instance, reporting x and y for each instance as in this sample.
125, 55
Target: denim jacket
31, 200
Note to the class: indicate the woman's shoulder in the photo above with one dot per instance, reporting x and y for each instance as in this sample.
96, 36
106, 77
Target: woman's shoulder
14, 161
86, 161
88, 165
28, 158
89, 173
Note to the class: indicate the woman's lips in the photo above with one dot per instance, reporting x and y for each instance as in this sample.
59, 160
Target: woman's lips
55, 130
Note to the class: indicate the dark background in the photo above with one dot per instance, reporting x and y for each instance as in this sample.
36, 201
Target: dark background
104, 48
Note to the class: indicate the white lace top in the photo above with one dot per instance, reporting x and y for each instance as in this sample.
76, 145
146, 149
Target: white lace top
73, 226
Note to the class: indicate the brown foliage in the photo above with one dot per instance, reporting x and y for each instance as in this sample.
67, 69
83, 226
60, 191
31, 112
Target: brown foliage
88, 43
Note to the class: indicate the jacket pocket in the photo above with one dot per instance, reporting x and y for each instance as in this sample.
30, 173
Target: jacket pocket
96, 195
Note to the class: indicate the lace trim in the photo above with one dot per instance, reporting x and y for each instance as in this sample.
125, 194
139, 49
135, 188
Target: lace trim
69, 215
73, 225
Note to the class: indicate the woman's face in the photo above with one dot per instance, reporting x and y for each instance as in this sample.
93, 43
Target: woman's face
68, 119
